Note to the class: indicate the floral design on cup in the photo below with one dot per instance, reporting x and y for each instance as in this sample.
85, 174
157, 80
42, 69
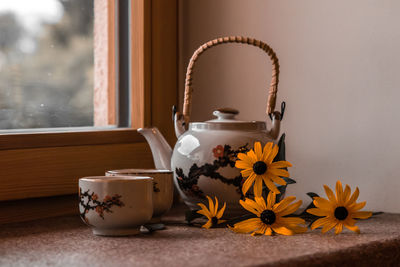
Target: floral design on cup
90, 201
155, 187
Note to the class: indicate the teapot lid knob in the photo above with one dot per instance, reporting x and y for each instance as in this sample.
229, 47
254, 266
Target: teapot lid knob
226, 113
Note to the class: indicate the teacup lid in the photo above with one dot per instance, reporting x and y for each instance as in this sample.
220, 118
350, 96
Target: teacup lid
226, 121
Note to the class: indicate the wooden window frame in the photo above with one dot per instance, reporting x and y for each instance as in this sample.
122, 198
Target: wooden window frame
40, 171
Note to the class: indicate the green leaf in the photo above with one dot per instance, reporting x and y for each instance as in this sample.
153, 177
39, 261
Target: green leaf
191, 215
282, 190
289, 180
312, 195
282, 149
234, 220
305, 215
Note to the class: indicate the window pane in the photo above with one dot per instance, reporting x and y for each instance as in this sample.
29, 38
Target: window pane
46, 63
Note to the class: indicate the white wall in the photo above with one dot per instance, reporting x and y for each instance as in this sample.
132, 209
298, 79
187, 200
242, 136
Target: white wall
340, 77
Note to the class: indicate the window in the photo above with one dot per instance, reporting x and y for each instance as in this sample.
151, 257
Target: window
46, 63
48, 163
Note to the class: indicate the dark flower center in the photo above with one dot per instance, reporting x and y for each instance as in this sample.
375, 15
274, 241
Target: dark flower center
268, 217
259, 167
214, 221
341, 213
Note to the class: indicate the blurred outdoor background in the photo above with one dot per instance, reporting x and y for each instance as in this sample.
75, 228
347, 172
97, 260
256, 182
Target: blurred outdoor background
46, 63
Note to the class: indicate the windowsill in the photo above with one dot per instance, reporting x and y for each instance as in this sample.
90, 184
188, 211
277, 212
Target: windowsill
66, 241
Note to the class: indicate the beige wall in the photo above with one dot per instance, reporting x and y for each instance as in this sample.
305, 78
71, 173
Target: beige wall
340, 77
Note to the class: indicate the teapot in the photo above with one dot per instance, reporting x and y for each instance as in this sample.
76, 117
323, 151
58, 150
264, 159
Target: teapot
203, 159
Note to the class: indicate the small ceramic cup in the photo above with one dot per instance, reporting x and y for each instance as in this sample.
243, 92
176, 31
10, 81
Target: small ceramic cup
163, 190
116, 206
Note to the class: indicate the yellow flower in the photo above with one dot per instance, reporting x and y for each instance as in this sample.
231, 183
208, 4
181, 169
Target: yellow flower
338, 211
212, 214
271, 217
257, 166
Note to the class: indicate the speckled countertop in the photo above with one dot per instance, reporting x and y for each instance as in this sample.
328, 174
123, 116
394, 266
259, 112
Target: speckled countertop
66, 241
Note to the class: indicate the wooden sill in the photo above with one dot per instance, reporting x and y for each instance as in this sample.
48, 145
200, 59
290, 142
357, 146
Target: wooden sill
50, 164
74, 136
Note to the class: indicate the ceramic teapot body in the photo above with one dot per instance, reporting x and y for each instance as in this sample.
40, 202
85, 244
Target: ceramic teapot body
203, 162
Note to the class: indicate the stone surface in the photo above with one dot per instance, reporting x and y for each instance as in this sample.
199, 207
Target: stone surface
66, 241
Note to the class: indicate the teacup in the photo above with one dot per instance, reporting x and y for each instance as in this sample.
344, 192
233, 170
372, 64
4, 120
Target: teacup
116, 206
163, 191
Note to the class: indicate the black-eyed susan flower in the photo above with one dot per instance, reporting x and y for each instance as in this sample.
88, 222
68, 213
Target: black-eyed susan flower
338, 211
212, 213
257, 166
271, 217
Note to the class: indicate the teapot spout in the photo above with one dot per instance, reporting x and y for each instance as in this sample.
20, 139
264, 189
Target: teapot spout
160, 148
273, 133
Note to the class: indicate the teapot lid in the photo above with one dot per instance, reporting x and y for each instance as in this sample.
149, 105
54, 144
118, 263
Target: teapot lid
226, 121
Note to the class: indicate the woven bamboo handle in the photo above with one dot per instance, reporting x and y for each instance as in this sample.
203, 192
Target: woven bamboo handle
273, 88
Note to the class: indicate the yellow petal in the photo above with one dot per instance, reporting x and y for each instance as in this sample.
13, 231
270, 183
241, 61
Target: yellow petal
205, 213
221, 221
248, 183
339, 193
349, 221
270, 185
241, 164
361, 214
279, 172
248, 225
346, 194
271, 198
320, 222
290, 220
280, 164
261, 231
278, 180
283, 204
211, 206
207, 225
272, 154
247, 172
246, 158
268, 231
258, 187
221, 211
282, 230
298, 229
318, 212
267, 150
216, 206
261, 203
291, 208
323, 203
328, 226
353, 228
353, 197
250, 205
357, 206
338, 228
204, 208
258, 150
252, 156
330, 194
